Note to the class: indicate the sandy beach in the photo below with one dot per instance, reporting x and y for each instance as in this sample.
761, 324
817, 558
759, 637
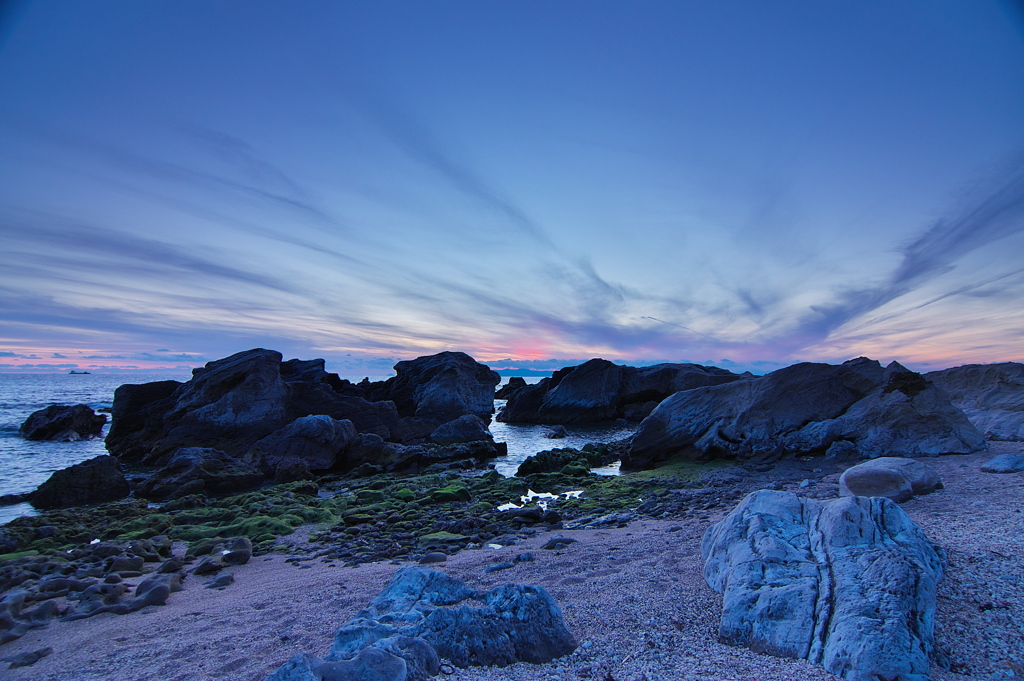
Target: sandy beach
634, 597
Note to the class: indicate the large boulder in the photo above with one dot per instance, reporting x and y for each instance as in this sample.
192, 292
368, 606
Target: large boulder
442, 387
892, 477
992, 396
422, 610
307, 444
806, 409
96, 480
63, 422
847, 583
599, 390
200, 470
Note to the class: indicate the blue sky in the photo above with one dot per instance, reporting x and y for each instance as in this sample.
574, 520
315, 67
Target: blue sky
752, 181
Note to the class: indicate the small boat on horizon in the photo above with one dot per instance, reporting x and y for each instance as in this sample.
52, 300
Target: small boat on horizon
77, 372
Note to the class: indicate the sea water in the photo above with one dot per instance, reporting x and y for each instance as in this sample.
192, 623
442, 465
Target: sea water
25, 464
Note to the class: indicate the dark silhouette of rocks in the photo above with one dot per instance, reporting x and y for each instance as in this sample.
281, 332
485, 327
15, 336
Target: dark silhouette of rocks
600, 391
439, 387
63, 422
848, 584
96, 480
289, 420
857, 407
506, 391
199, 470
466, 428
992, 396
424, 616
306, 445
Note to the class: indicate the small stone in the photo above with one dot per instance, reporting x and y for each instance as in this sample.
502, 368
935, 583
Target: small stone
433, 557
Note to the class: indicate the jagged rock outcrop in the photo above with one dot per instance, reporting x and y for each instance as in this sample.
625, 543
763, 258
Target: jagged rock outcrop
847, 583
63, 422
806, 409
599, 390
199, 470
93, 481
992, 396
233, 403
423, 611
307, 444
891, 477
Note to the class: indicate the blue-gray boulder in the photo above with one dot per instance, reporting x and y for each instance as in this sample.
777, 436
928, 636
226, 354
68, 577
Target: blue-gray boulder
849, 583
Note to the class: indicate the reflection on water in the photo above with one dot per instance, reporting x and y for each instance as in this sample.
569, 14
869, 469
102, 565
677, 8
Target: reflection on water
525, 440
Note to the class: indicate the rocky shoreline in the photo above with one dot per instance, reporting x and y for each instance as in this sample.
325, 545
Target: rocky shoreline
258, 460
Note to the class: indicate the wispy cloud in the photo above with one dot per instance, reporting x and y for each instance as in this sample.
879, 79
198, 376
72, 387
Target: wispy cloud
991, 215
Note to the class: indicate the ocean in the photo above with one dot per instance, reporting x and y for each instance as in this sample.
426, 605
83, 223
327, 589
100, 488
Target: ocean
24, 464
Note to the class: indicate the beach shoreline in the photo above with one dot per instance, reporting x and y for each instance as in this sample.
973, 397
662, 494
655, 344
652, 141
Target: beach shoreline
634, 597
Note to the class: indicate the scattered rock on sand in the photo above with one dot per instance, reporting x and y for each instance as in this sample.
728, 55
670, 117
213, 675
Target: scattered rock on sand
96, 480
27, 659
64, 423
1004, 463
892, 477
849, 583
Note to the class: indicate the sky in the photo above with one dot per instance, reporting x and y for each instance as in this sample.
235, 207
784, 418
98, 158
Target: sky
744, 183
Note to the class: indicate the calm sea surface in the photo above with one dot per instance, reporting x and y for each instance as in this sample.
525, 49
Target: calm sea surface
24, 465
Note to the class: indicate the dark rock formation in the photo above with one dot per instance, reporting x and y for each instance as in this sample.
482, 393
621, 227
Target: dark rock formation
194, 470
391, 457
234, 403
848, 584
891, 477
93, 481
992, 396
599, 390
440, 387
62, 422
309, 443
467, 428
506, 391
423, 615
806, 409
